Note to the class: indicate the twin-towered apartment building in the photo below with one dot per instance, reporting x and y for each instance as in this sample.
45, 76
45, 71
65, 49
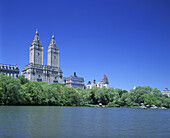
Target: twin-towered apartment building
51, 73
35, 70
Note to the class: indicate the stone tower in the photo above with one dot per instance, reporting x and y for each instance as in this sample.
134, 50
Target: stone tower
105, 80
36, 51
53, 54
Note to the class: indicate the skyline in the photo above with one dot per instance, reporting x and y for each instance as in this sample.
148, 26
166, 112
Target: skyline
126, 40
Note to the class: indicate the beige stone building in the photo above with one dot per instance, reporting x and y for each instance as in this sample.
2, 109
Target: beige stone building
35, 70
9, 70
75, 81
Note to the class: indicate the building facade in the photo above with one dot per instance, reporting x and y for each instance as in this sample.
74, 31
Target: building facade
75, 81
9, 70
101, 84
166, 92
36, 71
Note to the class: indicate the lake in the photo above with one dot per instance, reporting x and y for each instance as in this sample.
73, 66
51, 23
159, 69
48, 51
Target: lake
82, 122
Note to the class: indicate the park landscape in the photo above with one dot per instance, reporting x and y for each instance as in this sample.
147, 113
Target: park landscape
126, 39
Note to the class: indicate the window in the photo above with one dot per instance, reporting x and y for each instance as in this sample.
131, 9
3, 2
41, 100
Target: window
54, 57
38, 54
39, 76
54, 81
39, 80
39, 70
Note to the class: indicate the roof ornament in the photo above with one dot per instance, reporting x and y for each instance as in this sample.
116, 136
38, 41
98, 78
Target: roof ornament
53, 43
36, 40
53, 36
36, 32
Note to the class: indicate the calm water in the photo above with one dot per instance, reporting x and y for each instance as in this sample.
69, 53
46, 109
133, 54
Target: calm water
82, 122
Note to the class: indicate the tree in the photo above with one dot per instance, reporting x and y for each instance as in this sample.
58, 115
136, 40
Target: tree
52, 95
149, 100
101, 95
10, 90
23, 80
85, 96
139, 94
34, 93
124, 99
69, 97
120, 91
22, 92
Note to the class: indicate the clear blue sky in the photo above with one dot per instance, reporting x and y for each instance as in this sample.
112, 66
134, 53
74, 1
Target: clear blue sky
128, 40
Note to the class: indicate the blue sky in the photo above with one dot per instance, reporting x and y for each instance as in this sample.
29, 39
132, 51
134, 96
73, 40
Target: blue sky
128, 40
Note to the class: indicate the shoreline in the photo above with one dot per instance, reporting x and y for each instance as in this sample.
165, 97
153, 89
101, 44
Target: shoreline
94, 106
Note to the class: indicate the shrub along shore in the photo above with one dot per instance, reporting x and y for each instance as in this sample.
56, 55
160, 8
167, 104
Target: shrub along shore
23, 92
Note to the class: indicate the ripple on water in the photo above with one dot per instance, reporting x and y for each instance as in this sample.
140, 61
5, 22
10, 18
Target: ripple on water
52, 121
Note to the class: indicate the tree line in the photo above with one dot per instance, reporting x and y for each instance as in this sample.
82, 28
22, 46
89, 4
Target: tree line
23, 92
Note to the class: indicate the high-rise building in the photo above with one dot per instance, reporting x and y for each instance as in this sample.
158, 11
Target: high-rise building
36, 71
